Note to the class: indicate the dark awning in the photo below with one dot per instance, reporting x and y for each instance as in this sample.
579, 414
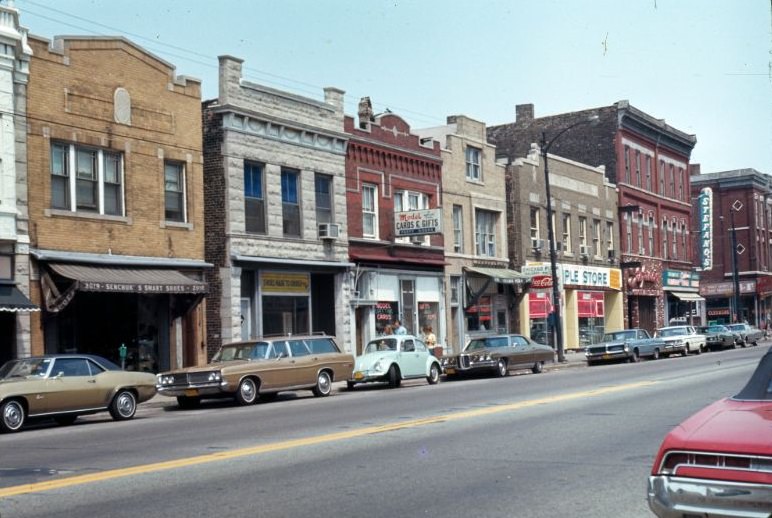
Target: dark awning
13, 300
128, 280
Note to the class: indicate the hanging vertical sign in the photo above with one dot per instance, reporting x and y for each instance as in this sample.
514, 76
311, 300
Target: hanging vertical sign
706, 228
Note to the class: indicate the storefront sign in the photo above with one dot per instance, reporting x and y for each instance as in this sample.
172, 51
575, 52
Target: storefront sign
680, 279
642, 279
418, 222
706, 228
591, 276
534, 269
541, 281
150, 289
726, 288
285, 282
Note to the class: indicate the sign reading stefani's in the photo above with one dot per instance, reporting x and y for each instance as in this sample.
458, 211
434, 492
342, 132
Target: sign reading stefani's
706, 228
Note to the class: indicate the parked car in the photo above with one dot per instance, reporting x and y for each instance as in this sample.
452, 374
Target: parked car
394, 358
260, 368
681, 339
627, 344
65, 386
749, 335
498, 354
718, 337
718, 462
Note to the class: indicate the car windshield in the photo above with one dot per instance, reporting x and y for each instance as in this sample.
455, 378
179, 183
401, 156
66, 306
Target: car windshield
671, 331
759, 387
255, 351
737, 327
619, 335
382, 344
25, 367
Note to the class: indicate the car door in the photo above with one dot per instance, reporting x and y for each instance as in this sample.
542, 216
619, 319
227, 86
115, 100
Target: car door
411, 361
303, 365
276, 372
73, 386
522, 351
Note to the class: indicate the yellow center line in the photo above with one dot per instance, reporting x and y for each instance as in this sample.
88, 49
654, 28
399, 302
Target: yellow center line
308, 441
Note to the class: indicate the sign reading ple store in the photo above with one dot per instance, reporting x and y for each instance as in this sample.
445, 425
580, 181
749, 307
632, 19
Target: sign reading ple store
592, 276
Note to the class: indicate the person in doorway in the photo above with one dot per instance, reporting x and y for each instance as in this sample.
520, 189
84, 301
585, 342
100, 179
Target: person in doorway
430, 339
399, 329
388, 330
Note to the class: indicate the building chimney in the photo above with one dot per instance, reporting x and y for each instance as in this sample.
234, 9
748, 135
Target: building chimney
694, 169
365, 113
524, 113
334, 97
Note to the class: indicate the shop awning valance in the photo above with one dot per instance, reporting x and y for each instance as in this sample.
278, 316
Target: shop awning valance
115, 279
500, 275
13, 300
686, 296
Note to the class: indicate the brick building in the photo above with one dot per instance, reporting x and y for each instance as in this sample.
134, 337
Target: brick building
481, 292
276, 222
648, 160
740, 203
585, 227
115, 203
390, 170
15, 306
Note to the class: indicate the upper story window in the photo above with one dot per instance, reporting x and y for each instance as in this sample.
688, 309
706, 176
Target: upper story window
672, 181
638, 168
681, 183
370, 211
651, 235
290, 202
675, 240
582, 231
627, 164
596, 237
455, 283
473, 169
254, 198
641, 245
323, 187
566, 233
174, 191
684, 239
485, 231
407, 201
535, 231
648, 173
458, 228
96, 186
665, 230
662, 177
629, 233
610, 234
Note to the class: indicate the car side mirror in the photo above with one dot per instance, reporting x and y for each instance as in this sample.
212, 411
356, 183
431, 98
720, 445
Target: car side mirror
59, 375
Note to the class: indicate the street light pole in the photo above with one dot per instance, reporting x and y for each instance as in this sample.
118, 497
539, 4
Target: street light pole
557, 327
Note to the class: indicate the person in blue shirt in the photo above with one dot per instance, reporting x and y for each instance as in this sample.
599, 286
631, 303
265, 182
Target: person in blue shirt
399, 329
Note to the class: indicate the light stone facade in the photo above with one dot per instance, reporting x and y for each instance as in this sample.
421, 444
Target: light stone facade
257, 124
488, 193
15, 55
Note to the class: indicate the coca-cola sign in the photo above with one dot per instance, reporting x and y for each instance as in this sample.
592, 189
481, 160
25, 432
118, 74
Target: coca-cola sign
541, 281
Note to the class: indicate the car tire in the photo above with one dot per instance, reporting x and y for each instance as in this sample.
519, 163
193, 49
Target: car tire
65, 420
538, 368
655, 355
634, 358
350, 385
12, 416
698, 350
188, 403
393, 376
123, 405
323, 386
501, 368
434, 374
247, 392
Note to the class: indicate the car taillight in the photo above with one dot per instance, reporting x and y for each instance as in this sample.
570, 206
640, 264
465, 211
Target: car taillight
673, 460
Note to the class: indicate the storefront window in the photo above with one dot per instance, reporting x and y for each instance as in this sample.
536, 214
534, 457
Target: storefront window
478, 316
592, 313
427, 315
285, 315
539, 308
385, 313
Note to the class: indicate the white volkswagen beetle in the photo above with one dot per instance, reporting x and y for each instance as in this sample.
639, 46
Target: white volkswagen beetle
393, 358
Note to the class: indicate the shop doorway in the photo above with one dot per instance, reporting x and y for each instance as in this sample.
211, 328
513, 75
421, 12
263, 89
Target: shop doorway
7, 336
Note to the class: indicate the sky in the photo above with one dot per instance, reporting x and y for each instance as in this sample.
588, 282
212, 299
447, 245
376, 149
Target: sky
705, 66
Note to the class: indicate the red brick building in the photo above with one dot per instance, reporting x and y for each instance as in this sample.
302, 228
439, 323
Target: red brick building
390, 170
648, 160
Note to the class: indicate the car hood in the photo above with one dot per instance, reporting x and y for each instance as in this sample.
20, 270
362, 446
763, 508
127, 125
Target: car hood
729, 426
208, 367
371, 358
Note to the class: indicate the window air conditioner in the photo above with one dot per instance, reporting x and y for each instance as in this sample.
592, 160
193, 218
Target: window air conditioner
611, 254
584, 250
537, 244
329, 231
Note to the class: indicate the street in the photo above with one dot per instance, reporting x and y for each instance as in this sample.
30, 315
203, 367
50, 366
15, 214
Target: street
568, 442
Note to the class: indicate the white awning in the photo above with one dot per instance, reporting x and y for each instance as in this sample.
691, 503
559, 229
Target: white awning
686, 296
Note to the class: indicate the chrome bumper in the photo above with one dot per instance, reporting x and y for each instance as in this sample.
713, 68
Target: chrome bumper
675, 497
192, 390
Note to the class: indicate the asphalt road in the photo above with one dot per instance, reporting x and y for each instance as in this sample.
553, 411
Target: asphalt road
570, 442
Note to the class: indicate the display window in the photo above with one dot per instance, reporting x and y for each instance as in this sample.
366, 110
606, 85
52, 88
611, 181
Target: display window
478, 316
591, 310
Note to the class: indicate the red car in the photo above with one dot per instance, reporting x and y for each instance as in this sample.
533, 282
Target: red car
719, 461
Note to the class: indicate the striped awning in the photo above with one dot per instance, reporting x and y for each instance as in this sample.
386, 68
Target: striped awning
13, 300
128, 280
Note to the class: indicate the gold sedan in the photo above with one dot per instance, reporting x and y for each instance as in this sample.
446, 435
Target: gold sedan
66, 386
